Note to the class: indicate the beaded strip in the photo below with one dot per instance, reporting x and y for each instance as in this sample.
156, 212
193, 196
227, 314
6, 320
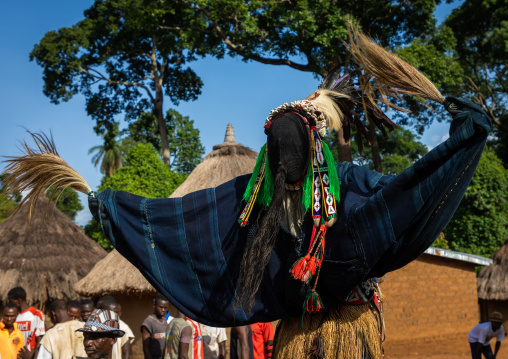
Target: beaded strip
303, 105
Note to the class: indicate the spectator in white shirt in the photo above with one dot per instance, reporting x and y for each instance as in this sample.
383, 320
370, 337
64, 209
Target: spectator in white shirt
214, 340
479, 337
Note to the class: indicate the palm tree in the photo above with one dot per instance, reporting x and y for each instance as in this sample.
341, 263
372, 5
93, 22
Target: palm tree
110, 156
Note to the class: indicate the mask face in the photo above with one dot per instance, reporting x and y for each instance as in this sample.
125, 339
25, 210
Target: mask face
288, 144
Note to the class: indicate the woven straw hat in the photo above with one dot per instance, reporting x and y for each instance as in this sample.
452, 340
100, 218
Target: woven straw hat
496, 317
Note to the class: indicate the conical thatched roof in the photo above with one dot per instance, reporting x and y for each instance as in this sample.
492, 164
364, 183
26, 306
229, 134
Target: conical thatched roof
227, 161
492, 280
47, 257
122, 277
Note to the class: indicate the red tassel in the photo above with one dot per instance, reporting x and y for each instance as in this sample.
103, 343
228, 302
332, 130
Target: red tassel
297, 270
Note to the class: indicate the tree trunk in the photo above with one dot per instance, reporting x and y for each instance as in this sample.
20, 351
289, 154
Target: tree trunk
343, 148
376, 157
162, 126
159, 96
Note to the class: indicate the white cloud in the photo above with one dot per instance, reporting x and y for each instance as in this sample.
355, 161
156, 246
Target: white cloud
445, 137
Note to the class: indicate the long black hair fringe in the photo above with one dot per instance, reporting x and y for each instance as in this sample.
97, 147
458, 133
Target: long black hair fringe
257, 254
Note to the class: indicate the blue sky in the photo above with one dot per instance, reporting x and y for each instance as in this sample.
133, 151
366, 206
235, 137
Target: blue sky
234, 91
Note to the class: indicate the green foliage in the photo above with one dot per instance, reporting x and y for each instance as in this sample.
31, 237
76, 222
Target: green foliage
312, 35
499, 140
67, 201
7, 203
431, 56
434, 56
93, 230
143, 174
483, 51
125, 56
109, 156
399, 151
441, 242
185, 146
309, 35
481, 222
6, 207
481, 30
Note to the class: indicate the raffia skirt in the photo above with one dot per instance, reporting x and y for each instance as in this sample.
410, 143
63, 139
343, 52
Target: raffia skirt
349, 332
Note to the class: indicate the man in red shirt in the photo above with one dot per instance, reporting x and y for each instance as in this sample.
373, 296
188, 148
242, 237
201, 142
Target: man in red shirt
253, 341
262, 340
197, 340
30, 321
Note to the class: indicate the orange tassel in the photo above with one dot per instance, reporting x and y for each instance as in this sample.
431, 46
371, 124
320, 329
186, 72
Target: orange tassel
298, 269
309, 271
311, 266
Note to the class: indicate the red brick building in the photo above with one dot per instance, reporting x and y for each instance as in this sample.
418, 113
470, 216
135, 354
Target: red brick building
433, 299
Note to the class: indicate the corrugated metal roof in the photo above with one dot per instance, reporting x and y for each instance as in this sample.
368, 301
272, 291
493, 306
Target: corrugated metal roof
466, 257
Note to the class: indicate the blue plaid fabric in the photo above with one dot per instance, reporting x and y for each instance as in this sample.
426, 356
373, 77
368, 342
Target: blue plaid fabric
190, 248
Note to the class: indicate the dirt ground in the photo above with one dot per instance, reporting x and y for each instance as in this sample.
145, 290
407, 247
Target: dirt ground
453, 348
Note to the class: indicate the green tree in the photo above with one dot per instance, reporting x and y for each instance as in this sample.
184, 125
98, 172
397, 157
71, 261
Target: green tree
481, 30
122, 61
185, 145
94, 231
67, 201
110, 156
399, 151
311, 35
143, 174
434, 55
7, 203
480, 224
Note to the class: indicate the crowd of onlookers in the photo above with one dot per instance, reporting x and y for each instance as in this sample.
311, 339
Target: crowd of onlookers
95, 330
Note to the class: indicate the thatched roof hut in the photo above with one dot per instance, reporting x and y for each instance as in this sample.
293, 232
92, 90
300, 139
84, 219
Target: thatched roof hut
492, 280
122, 277
47, 257
227, 161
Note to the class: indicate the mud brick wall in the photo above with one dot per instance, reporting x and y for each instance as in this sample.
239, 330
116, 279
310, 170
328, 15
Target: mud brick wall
430, 299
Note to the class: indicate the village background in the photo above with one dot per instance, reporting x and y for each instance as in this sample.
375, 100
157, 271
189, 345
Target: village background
430, 305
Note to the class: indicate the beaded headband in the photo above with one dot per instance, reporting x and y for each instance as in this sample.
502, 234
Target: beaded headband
305, 106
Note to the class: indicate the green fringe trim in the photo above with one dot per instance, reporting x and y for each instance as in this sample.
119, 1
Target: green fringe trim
307, 188
266, 191
332, 172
